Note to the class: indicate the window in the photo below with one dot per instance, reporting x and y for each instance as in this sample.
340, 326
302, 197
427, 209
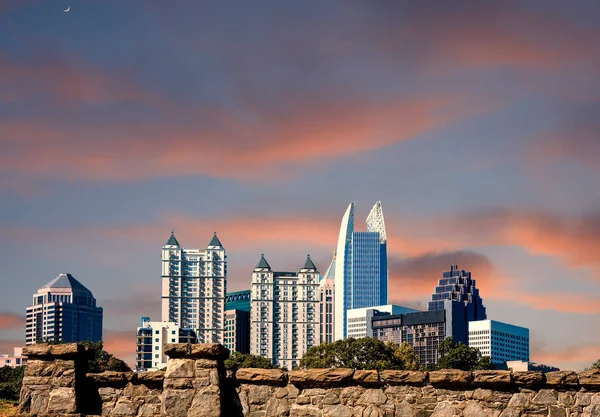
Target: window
156, 332
155, 347
156, 356
156, 340
172, 331
172, 340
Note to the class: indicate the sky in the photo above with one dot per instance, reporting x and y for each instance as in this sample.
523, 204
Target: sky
477, 124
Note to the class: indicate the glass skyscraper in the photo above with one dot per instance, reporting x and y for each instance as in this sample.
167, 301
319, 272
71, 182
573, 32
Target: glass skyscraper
361, 273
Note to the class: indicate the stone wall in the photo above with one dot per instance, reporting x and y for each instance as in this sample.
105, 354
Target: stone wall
196, 384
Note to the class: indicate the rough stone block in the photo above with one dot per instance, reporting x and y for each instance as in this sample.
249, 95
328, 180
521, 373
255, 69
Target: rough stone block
365, 377
206, 403
450, 377
177, 350
110, 379
373, 396
261, 376
590, 379
124, 407
403, 377
529, 379
492, 378
562, 379
178, 383
180, 368
39, 367
37, 350
338, 411
67, 350
213, 351
176, 402
259, 394
61, 400
277, 407
206, 363
153, 379
546, 397
320, 377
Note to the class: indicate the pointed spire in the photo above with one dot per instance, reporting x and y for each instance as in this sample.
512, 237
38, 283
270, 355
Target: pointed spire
172, 240
263, 262
215, 241
309, 264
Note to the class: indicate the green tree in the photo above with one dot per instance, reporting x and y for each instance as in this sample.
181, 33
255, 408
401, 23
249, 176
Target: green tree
100, 360
460, 356
245, 360
11, 380
596, 365
407, 355
363, 353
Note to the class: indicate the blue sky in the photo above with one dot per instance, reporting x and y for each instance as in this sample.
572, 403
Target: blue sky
476, 124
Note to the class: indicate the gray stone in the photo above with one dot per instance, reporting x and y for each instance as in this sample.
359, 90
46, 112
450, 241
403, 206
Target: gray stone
259, 394
556, 411
337, 411
149, 410
474, 409
320, 377
206, 403
591, 411
482, 394
124, 407
373, 396
331, 398
62, 400
176, 402
444, 409
404, 409
546, 397
583, 399
180, 368
372, 411
520, 400
278, 407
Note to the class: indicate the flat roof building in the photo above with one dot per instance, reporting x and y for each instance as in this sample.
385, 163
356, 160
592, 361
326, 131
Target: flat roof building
150, 341
359, 320
502, 342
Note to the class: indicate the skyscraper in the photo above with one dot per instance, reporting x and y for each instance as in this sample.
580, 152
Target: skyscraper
237, 321
63, 310
459, 287
327, 303
502, 342
193, 288
361, 273
284, 314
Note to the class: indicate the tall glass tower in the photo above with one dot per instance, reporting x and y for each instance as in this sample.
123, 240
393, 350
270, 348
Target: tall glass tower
361, 273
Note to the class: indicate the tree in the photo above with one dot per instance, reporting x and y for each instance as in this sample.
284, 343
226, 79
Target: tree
596, 365
407, 355
460, 356
239, 360
100, 360
363, 353
11, 380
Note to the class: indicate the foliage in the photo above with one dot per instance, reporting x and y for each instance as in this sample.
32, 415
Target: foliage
245, 360
8, 408
407, 355
100, 360
363, 353
596, 365
11, 380
460, 356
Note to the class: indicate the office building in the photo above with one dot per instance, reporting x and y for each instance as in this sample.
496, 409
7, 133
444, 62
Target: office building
284, 313
193, 288
359, 320
237, 321
63, 310
151, 338
361, 273
502, 342
327, 304
14, 360
423, 330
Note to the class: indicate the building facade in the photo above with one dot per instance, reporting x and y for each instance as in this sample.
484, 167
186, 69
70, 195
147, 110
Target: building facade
327, 304
14, 360
63, 310
361, 273
284, 313
193, 288
359, 320
423, 330
151, 338
237, 321
502, 342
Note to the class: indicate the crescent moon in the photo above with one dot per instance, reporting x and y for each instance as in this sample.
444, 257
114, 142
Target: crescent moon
67, 11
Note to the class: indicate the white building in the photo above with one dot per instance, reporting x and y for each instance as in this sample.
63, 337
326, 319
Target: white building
63, 310
358, 320
327, 304
502, 342
14, 360
284, 321
151, 338
193, 288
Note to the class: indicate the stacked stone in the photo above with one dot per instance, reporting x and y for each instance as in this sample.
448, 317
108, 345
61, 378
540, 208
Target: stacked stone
193, 379
348, 393
125, 393
52, 379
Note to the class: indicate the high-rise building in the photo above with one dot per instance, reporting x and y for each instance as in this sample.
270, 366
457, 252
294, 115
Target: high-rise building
284, 313
151, 338
502, 342
193, 288
63, 310
327, 304
359, 319
237, 321
423, 330
458, 286
361, 273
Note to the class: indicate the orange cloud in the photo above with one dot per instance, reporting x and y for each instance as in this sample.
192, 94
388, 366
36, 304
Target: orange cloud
11, 321
121, 344
572, 358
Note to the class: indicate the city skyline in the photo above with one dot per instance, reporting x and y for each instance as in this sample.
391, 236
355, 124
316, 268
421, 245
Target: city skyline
475, 123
